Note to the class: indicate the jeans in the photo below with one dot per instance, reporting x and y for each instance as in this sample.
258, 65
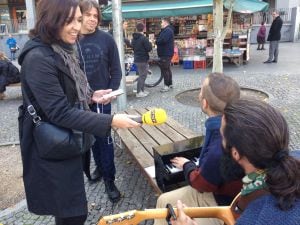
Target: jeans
165, 67
12, 55
143, 70
103, 149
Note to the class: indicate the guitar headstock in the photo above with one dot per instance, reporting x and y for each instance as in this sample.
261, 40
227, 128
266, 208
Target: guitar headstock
125, 218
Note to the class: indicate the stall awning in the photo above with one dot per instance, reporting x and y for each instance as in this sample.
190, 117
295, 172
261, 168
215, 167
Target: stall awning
248, 6
161, 9
157, 8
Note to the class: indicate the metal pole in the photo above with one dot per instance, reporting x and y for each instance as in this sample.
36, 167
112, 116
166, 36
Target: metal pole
30, 8
118, 36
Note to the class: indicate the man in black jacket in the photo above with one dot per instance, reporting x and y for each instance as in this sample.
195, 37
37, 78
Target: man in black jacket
141, 47
165, 51
274, 38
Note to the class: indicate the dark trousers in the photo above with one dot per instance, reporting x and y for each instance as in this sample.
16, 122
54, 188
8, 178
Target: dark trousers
273, 50
165, 67
12, 54
76, 220
143, 70
103, 149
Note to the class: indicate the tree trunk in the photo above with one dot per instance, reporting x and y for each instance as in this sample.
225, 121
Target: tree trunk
218, 40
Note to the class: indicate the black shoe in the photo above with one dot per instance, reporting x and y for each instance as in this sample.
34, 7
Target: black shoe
268, 61
262, 49
96, 175
112, 191
274, 61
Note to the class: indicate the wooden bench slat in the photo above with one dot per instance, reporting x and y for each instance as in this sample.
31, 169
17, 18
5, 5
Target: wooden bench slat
143, 157
144, 139
159, 137
181, 129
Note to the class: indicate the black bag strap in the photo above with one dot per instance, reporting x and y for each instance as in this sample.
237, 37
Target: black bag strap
30, 108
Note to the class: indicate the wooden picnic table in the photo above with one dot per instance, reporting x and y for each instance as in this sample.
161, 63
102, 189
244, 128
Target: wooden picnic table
139, 142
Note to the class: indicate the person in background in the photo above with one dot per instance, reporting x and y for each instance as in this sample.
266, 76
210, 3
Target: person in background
12, 45
206, 186
165, 51
126, 40
9, 74
141, 47
261, 36
256, 136
55, 84
274, 38
100, 59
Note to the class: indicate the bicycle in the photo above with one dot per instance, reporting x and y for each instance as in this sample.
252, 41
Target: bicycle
154, 76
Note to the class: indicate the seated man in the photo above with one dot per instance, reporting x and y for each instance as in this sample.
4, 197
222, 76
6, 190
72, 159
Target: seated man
207, 187
9, 74
256, 137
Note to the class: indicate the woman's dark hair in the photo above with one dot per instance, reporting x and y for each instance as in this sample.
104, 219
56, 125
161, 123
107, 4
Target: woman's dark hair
87, 5
51, 18
260, 133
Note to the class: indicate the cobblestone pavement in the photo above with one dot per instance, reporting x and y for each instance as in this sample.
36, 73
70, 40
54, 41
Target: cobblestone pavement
280, 81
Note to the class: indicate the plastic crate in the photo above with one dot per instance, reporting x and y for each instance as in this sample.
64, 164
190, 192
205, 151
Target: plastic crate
188, 64
200, 64
133, 68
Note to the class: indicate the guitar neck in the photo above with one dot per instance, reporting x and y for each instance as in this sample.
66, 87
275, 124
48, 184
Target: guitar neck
135, 217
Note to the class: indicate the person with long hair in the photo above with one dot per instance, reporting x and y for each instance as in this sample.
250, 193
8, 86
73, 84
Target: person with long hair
58, 89
256, 136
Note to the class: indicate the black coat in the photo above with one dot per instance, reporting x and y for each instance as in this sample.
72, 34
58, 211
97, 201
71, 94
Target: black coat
141, 47
53, 187
165, 42
9, 74
274, 33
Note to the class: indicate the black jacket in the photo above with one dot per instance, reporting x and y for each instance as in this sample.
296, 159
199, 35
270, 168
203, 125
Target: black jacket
274, 33
141, 47
53, 187
165, 42
9, 74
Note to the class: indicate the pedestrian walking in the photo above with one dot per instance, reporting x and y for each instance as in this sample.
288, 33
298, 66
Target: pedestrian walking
274, 37
261, 36
141, 48
12, 45
165, 51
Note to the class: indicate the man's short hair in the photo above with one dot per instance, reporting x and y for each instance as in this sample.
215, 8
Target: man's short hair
219, 91
166, 19
140, 27
87, 5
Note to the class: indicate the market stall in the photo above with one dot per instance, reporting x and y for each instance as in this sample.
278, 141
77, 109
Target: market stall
193, 27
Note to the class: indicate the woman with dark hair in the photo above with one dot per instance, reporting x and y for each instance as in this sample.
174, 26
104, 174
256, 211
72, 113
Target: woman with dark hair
261, 36
256, 137
57, 88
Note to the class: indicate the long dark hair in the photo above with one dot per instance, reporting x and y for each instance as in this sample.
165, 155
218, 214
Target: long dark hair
260, 133
52, 15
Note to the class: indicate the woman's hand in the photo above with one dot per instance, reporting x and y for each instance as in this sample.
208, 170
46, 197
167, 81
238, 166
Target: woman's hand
182, 218
123, 121
98, 96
